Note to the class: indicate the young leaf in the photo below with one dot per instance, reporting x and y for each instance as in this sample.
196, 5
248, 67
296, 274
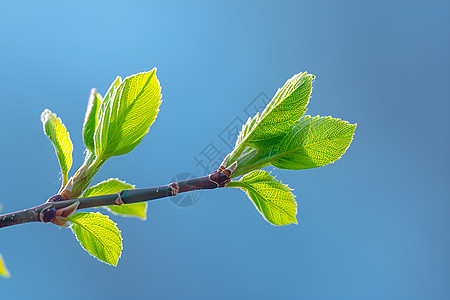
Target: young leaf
112, 88
138, 210
60, 138
90, 119
126, 114
311, 143
112, 186
283, 111
314, 142
98, 235
273, 199
3, 270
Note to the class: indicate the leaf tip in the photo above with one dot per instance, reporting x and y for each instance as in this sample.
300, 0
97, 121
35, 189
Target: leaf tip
3, 270
45, 115
98, 235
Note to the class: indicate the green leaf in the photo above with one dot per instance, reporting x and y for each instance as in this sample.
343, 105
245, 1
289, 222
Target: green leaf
3, 270
247, 130
112, 186
283, 111
112, 88
273, 199
126, 114
138, 210
313, 142
90, 119
98, 235
60, 138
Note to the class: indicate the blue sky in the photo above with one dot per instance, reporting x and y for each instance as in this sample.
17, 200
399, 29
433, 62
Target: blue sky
372, 225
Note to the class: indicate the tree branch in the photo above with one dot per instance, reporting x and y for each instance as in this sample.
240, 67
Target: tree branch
46, 212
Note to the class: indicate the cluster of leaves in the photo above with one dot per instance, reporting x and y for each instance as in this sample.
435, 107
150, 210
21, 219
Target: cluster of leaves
113, 125
281, 136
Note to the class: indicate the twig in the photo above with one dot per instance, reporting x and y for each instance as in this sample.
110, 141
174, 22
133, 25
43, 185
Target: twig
46, 212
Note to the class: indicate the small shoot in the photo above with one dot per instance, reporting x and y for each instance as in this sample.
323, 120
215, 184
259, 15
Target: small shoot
113, 125
282, 137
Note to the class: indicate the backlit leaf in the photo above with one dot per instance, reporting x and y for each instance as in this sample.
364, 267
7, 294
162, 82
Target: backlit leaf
283, 111
311, 143
126, 114
90, 119
112, 88
98, 235
273, 199
314, 142
112, 186
3, 270
60, 138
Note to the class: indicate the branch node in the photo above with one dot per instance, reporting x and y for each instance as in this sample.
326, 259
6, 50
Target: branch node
119, 200
220, 177
58, 216
174, 188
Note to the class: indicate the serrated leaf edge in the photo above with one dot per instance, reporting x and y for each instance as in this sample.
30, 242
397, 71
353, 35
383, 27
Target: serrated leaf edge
245, 187
84, 227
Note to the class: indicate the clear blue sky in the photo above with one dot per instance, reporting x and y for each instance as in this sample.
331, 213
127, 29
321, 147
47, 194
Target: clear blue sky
374, 225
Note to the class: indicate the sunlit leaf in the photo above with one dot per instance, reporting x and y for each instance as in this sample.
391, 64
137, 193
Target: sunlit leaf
98, 235
60, 138
273, 199
126, 114
283, 111
112, 186
90, 119
112, 88
3, 270
313, 142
